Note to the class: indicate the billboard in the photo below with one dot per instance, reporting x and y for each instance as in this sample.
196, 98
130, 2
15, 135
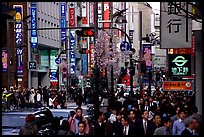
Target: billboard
19, 38
44, 57
71, 15
4, 60
72, 53
63, 21
106, 13
147, 57
34, 36
175, 31
84, 12
53, 54
91, 13
177, 85
131, 34
180, 64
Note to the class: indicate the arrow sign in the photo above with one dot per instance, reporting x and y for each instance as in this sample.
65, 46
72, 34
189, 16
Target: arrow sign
124, 46
58, 61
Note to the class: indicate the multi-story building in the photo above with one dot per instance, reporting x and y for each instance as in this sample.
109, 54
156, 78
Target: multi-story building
48, 41
10, 68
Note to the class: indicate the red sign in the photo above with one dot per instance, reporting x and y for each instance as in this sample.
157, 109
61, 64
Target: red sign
126, 80
54, 84
106, 13
71, 17
177, 86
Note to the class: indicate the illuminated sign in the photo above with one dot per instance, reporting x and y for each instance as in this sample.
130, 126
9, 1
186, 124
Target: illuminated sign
53, 54
147, 57
180, 64
19, 38
34, 37
177, 86
71, 15
72, 54
32, 65
4, 60
63, 22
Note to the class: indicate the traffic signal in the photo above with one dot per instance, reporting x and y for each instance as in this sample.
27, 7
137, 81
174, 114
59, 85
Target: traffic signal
84, 51
143, 67
85, 32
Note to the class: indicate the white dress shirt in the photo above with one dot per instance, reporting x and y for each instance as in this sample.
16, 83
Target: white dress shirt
126, 128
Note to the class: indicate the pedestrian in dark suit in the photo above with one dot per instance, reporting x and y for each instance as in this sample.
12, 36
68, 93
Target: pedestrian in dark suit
117, 125
99, 126
165, 129
152, 105
81, 128
144, 126
128, 129
191, 125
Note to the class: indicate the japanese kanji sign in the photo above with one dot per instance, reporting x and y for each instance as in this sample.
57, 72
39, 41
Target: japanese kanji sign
176, 27
71, 15
177, 86
180, 64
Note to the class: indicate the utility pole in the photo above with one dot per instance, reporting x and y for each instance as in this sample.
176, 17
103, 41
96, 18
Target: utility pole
140, 58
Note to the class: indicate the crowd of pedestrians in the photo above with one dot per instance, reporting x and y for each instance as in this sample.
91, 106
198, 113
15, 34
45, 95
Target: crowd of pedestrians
164, 113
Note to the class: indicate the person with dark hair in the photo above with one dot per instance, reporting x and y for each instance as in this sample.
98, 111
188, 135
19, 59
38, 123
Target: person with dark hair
65, 128
165, 129
191, 125
117, 125
127, 128
156, 121
73, 121
144, 126
82, 125
132, 117
29, 128
178, 125
99, 126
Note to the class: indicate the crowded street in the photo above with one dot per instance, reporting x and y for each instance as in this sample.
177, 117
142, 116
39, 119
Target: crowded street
101, 68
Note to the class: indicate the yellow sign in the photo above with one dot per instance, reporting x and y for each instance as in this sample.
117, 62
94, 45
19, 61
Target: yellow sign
18, 16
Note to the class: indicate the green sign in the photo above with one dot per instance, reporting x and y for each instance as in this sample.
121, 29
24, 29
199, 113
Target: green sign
44, 57
180, 64
53, 56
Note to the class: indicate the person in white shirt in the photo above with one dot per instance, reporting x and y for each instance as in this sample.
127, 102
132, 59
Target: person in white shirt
51, 101
38, 98
32, 95
112, 117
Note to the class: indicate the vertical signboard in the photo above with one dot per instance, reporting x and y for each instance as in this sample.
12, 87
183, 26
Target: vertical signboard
84, 13
4, 60
106, 13
176, 26
63, 21
131, 33
147, 57
180, 64
34, 36
84, 64
53, 54
100, 18
19, 38
91, 13
72, 38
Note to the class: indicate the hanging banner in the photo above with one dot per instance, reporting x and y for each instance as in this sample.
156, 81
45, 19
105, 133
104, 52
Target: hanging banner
71, 15
176, 29
84, 13
180, 64
34, 36
147, 57
91, 13
4, 60
63, 21
72, 53
131, 34
19, 38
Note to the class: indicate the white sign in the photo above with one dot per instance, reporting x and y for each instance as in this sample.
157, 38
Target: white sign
100, 8
83, 9
175, 30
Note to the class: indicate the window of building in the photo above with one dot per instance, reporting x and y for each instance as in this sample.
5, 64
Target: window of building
38, 22
49, 31
132, 14
46, 32
54, 33
51, 34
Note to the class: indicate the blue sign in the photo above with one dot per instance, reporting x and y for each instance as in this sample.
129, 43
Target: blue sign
63, 22
58, 61
53, 77
72, 54
19, 38
84, 64
34, 37
124, 46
